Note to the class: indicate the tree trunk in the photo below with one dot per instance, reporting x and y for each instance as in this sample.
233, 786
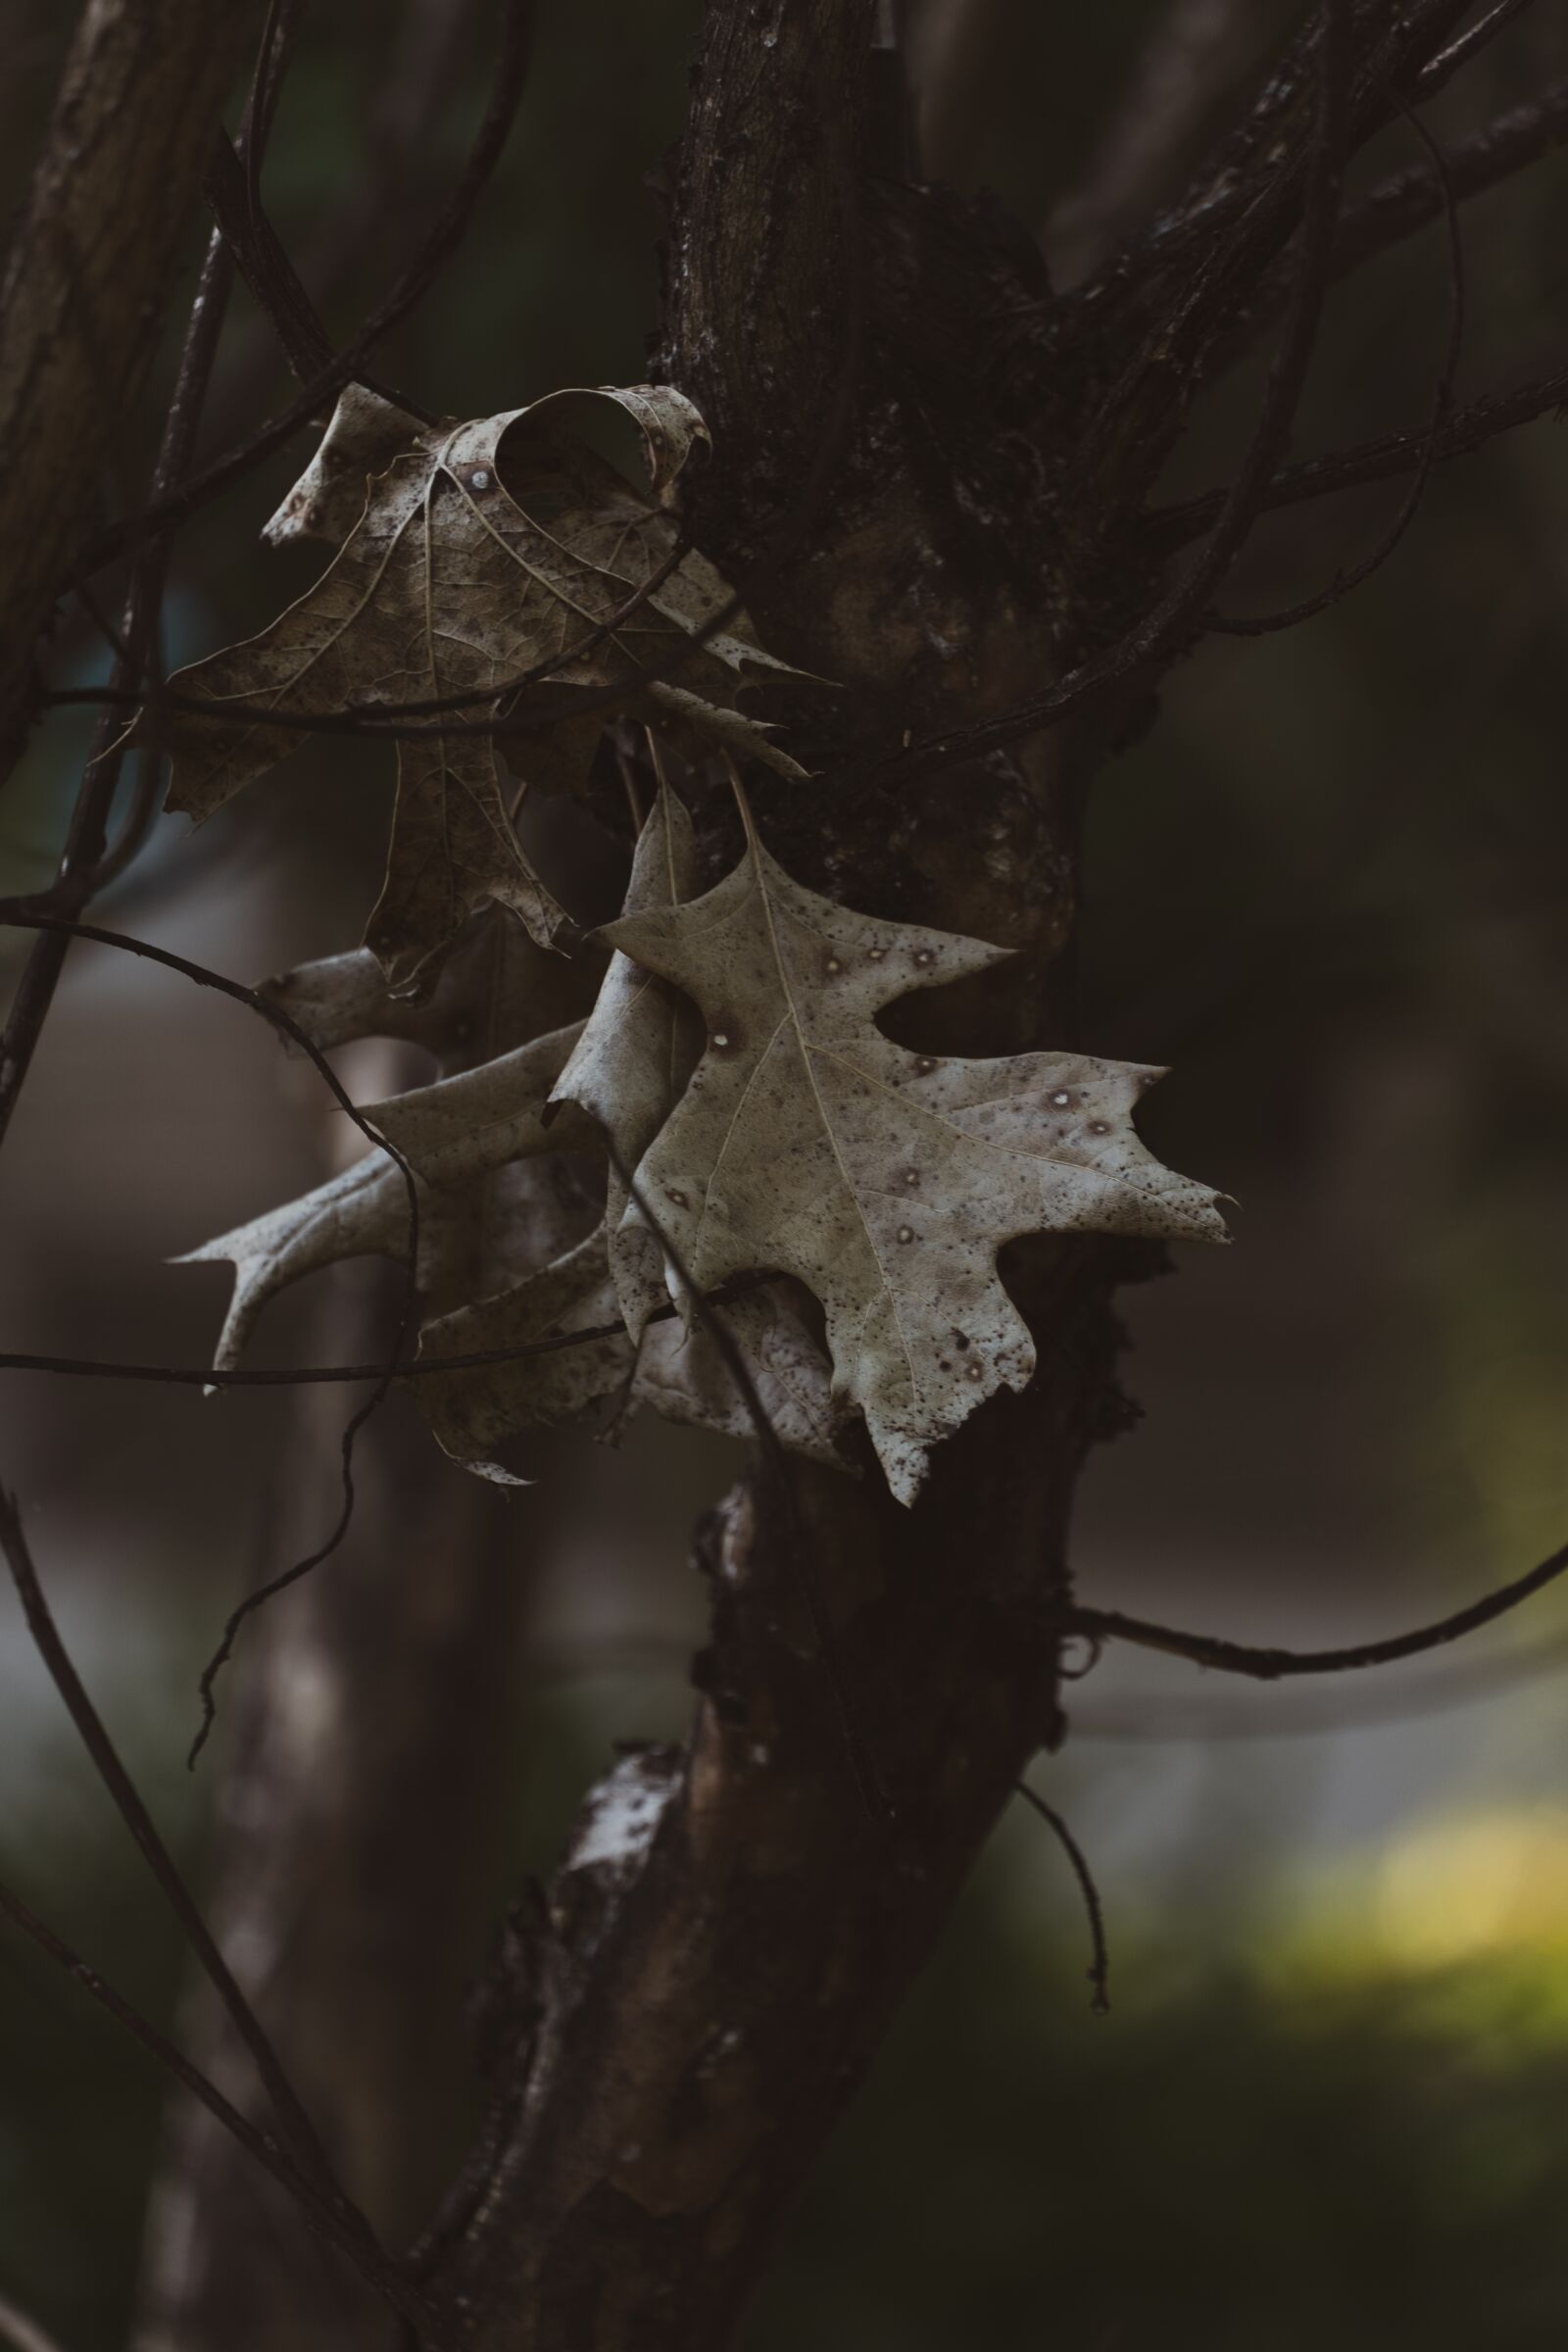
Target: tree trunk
925, 473
715, 1965
85, 287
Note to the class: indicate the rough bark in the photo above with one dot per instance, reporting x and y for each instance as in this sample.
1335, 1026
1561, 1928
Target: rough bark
113, 200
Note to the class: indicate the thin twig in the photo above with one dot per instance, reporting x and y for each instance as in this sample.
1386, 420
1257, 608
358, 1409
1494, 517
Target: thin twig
264, 267
443, 236
315, 2209
1468, 428
87, 840
1269, 1665
264, 97
259, 1598
1264, 625
1406, 201
300, 1376
1441, 69
256, 1002
293, 2120
1163, 630
382, 719
1099, 1970
782, 544
1469, 1681
1187, 61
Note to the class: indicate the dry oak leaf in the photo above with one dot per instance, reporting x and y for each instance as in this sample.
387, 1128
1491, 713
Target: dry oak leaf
639, 1045
493, 990
883, 1180
679, 1372
477, 551
455, 1134
635, 1054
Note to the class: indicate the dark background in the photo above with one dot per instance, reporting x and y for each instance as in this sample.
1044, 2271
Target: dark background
1326, 889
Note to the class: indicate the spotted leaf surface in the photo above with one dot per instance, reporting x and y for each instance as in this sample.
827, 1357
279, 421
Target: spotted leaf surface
885, 1181
636, 1051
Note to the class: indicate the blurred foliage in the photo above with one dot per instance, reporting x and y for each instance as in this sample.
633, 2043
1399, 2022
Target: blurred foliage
1335, 2112
1321, 2141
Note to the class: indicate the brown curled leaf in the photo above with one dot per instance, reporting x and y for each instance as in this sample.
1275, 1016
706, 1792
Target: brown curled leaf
470, 555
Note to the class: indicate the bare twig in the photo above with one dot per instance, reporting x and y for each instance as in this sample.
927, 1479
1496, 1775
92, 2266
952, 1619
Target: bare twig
1447, 62
259, 1598
92, 263
382, 719
271, 57
1408, 200
262, 263
315, 2209
1469, 1681
1241, 198
441, 239
254, 999
202, 1376
1100, 1965
87, 840
1269, 1665
293, 2120
1469, 427
1172, 619
1443, 402
1188, 62
256, 1002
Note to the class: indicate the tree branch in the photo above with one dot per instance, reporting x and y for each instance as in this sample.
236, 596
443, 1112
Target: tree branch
1408, 200
1468, 428
1189, 61
1352, 576
440, 241
86, 860
1267, 1665
293, 2120
319, 2214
